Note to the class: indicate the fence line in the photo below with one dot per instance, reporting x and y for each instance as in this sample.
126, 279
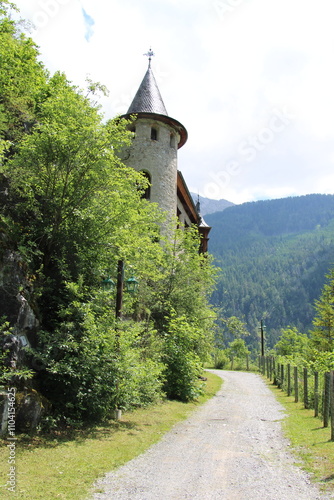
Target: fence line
316, 389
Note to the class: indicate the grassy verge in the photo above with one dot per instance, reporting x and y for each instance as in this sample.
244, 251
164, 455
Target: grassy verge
310, 441
65, 465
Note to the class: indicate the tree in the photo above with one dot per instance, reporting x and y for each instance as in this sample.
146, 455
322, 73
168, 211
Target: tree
180, 310
322, 335
238, 348
235, 327
22, 78
292, 343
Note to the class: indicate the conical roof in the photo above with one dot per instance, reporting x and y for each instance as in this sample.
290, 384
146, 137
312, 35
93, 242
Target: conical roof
148, 103
148, 98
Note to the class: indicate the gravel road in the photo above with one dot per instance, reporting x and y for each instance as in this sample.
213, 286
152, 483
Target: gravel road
231, 448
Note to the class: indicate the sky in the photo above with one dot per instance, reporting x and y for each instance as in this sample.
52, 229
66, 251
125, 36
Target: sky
251, 80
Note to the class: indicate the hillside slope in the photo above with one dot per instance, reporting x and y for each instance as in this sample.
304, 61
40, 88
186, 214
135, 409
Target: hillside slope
274, 255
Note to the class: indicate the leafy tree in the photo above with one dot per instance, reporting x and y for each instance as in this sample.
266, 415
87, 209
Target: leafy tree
237, 348
236, 327
22, 77
292, 343
181, 312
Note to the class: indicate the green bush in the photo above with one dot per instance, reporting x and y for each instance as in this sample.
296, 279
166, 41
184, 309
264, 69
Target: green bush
220, 359
183, 365
90, 368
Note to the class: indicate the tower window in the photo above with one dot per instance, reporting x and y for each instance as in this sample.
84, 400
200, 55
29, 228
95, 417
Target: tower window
172, 141
147, 192
154, 134
132, 129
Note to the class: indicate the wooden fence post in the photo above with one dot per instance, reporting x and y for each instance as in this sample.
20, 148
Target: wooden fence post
278, 375
270, 368
326, 398
274, 372
332, 403
289, 380
306, 405
316, 394
296, 383
282, 375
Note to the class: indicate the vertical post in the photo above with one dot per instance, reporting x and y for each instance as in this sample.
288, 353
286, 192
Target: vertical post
270, 368
326, 399
278, 381
119, 292
296, 383
306, 405
332, 403
282, 376
247, 362
289, 380
274, 371
316, 394
262, 338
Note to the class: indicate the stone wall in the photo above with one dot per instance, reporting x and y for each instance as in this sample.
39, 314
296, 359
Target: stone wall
157, 157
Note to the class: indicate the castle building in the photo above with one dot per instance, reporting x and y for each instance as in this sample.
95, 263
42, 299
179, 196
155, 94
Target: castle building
157, 138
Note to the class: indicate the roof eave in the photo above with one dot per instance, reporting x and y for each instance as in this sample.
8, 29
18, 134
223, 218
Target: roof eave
176, 125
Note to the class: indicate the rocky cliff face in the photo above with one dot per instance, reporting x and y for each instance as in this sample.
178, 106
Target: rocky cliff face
15, 293
16, 309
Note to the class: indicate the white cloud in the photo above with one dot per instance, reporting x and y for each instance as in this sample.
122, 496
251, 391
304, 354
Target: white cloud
222, 67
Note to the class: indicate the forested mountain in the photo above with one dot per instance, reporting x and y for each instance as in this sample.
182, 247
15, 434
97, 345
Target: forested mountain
274, 256
209, 206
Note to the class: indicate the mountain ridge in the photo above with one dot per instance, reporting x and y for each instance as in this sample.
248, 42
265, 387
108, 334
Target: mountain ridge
209, 206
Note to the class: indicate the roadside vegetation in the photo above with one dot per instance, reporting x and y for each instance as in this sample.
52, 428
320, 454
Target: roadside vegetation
310, 441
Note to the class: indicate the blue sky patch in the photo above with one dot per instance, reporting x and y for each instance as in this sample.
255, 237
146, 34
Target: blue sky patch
89, 23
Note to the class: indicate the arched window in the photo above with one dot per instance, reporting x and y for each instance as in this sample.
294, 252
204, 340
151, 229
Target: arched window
147, 192
154, 133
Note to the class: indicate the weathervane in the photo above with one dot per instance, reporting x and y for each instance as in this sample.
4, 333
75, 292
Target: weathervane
149, 54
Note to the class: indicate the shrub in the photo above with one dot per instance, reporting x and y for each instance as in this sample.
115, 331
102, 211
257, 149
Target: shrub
183, 365
220, 359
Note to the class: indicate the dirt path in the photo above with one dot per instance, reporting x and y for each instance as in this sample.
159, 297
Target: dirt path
232, 448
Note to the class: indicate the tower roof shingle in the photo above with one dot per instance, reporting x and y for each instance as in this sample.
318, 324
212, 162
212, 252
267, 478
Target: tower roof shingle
148, 103
148, 98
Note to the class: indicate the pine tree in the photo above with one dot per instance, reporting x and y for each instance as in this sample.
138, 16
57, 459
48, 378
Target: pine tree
323, 332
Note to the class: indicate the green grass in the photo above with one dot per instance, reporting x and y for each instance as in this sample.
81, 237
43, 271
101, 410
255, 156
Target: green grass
310, 441
65, 465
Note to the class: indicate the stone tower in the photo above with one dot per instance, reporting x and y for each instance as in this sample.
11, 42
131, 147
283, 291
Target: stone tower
157, 138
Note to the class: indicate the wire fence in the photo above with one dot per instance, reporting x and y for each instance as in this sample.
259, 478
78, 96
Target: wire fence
314, 389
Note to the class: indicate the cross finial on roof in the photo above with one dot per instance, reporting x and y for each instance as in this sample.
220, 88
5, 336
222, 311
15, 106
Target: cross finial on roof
149, 54
198, 204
